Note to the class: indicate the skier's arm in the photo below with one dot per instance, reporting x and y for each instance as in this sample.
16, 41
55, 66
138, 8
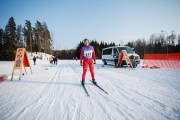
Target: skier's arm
81, 55
94, 55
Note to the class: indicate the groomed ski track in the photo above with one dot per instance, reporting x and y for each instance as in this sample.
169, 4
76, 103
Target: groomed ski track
54, 92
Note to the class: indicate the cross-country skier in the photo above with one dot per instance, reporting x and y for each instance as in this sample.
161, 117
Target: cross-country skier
87, 57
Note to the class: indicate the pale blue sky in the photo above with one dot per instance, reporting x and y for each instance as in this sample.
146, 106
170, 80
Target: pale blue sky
103, 20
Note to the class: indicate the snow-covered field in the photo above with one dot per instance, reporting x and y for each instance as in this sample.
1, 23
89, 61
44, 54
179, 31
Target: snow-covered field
55, 93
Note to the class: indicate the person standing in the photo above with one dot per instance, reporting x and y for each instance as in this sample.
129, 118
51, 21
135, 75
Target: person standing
87, 59
51, 60
56, 60
116, 56
34, 59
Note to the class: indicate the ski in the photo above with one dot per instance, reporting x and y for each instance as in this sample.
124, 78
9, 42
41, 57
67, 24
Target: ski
99, 87
85, 90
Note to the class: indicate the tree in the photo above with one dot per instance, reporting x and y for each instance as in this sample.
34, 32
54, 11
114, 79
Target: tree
9, 39
172, 38
35, 40
39, 29
28, 34
78, 49
46, 41
1, 43
19, 39
1, 39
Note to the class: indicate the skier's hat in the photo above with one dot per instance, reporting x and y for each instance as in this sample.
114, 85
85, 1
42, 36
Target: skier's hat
86, 40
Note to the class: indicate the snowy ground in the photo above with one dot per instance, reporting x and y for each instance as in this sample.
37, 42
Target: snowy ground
55, 92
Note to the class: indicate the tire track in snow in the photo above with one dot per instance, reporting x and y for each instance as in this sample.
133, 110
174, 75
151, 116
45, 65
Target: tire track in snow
66, 106
62, 94
23, 95
100, 104
40, 98
134, 93
77, 111
106, 100
17, 97
47, 95
92, 97
156, 89
148, 76
136, 101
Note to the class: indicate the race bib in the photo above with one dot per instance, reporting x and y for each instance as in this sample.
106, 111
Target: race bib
88, 53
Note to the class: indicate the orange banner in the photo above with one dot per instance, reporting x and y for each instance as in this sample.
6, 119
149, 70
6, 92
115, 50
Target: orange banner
171, 60
170, 56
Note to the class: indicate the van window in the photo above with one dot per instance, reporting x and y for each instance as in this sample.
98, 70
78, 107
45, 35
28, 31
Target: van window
128, 49
107, 51
115, 50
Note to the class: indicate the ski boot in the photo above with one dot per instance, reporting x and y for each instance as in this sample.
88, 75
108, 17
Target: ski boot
94, 82
82, 82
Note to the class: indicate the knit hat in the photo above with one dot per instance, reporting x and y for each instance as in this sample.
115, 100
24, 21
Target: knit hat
86, 40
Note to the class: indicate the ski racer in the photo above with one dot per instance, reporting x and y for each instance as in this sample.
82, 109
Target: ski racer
87, 59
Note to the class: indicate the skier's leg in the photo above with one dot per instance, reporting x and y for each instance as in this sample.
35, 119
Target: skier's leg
91, 67
85, 68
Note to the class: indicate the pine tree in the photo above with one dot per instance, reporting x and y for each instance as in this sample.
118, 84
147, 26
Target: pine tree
9, 39
178, 39
39, 29
35, 38
19, 39
46, 38
1, 44
28, 34
1, 39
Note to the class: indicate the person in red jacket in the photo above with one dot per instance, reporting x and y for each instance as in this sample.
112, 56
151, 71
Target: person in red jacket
87, 59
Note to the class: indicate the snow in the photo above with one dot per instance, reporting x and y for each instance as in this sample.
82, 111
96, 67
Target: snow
41, 55
54, 92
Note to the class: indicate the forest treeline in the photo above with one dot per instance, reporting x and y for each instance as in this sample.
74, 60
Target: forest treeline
161, 43
75, 53
157, 43
38, 38
34, 39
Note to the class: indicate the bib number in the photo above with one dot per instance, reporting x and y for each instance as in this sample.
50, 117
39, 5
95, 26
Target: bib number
87, 53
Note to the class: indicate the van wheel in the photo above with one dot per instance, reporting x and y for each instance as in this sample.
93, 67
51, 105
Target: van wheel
105, 63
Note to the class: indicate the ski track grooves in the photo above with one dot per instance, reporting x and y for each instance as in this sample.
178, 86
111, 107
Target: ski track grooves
17, 97
134, 93
57, 73
34, 91
61, 96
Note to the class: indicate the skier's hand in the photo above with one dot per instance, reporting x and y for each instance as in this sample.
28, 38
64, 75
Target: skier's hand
94, 62
81, 63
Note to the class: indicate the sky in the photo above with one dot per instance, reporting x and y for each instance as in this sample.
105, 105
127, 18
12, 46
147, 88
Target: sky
119, 21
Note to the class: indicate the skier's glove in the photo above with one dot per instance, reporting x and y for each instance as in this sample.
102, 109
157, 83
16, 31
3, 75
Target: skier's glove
94, 62
81, 63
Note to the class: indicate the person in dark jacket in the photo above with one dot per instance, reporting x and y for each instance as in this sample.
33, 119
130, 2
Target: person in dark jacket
56, 60
34, 59
116, 56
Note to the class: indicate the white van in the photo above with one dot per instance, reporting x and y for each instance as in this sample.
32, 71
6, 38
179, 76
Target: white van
108, 54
